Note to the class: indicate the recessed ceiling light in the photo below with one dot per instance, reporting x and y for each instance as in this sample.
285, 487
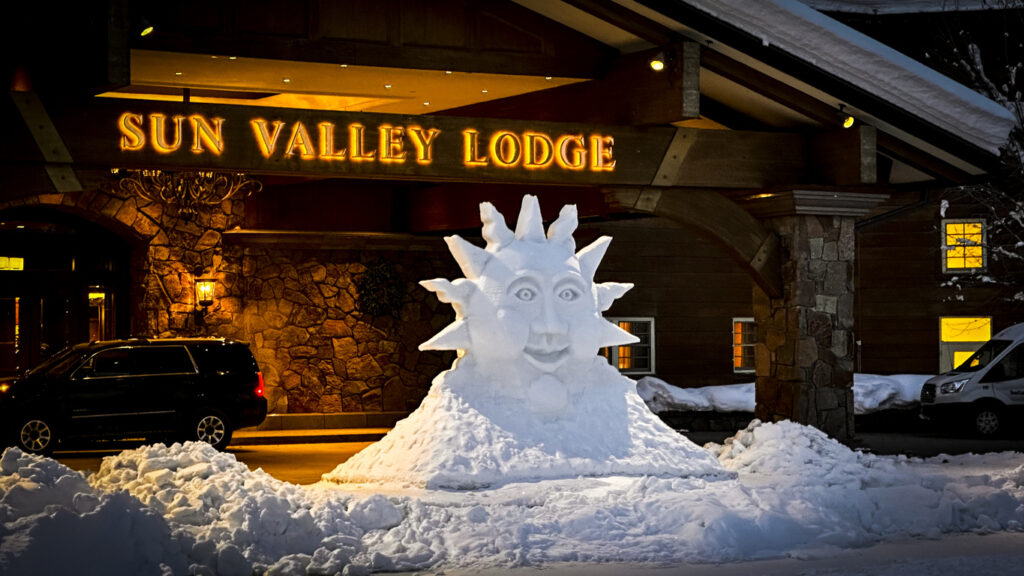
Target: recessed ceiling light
484, 91
547, 77
426, 103
387, 86
344, 65
232, 57
447, 72
286, 80
177, 73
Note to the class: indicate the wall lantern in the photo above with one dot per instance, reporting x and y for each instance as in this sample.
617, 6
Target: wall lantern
204, 291
845, 120
657, 62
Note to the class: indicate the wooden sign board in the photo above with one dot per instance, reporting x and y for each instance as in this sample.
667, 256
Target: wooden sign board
183, 136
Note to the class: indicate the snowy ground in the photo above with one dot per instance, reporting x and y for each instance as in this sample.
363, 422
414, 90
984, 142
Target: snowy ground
797, 502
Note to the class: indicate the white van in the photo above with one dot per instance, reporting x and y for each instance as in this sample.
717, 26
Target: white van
986, 392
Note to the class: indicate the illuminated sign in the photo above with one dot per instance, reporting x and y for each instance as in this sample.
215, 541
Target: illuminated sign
355, 142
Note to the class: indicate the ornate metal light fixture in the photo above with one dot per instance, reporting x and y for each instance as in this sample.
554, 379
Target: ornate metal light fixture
189, 191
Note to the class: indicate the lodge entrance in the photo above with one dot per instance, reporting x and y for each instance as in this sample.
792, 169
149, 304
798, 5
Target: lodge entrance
63, 280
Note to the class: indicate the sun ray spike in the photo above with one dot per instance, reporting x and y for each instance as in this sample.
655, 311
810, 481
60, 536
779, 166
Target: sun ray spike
455, 336
495, 231
608, 293
590, 257
530, 225
561, 229
612, 335
455, 293
470, 258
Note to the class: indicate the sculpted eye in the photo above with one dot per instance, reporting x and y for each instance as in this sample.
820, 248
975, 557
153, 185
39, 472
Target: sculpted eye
568, 294
526, 294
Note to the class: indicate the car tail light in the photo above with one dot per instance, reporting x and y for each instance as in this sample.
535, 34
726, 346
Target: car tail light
259, 384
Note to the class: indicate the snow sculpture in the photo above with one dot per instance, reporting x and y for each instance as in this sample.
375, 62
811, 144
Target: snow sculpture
528, 397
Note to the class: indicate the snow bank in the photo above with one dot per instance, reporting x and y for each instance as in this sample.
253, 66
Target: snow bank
188, 509
871, 393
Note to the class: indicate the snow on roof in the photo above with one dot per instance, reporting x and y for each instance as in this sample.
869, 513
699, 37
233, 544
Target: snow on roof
901, 6
893, 77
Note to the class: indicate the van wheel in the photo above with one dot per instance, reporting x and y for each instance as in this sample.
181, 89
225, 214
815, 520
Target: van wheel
211, 427
36, 435
987, 421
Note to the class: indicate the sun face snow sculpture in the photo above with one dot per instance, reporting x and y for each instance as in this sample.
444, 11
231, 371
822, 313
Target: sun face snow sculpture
528, 313
529, 397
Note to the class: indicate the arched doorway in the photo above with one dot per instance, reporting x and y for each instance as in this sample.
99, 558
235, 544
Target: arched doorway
63, 280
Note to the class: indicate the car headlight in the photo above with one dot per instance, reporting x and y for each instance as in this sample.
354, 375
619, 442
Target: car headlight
953, 387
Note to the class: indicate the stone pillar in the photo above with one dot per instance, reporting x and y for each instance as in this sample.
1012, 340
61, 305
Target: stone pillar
805, 348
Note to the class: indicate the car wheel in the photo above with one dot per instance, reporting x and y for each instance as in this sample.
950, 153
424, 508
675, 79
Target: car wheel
987, 421
213, 428
36, 435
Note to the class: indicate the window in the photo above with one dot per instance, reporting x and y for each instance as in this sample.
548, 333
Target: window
1011, 367
744, 337
960, 337
963, 246
11, 263
634, 358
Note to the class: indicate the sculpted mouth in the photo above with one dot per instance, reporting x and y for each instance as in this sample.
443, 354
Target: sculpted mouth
546, 358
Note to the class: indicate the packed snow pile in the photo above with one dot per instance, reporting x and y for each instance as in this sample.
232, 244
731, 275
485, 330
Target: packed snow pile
529, 397
187, 509
871, 393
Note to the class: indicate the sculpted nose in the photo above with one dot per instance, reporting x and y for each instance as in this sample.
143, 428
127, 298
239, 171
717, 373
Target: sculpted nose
549, 323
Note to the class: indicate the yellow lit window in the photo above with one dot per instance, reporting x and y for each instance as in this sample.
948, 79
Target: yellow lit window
959, 337
634, 358
744, 337
963, 245
12, 263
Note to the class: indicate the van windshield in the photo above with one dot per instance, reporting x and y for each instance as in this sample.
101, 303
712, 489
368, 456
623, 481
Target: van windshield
983, 357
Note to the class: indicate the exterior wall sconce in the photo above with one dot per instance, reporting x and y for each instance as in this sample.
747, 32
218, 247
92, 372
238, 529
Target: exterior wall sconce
845, 120
204, 291
657, 62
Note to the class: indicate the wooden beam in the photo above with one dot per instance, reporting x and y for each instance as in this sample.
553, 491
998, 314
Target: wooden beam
716, 219
900, 150
845, 157
628, 20
630, 93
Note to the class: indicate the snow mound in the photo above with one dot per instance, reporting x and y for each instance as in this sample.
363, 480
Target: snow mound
244, 520
51, 520
449, 442
871, 393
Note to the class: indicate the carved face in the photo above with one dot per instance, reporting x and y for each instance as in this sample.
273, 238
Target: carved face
528, 298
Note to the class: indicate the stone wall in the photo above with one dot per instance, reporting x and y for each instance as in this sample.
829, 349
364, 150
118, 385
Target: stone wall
805, 349
298, 309
320, 352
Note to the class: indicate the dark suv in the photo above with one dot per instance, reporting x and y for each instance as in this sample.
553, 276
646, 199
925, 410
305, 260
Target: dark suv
160, 389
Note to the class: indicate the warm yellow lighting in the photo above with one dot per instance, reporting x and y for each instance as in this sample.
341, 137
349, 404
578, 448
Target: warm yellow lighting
845, 120
961, 356
658, 63
4, 387
966, 329
204, 291
146, 31
964, 245
12, 263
